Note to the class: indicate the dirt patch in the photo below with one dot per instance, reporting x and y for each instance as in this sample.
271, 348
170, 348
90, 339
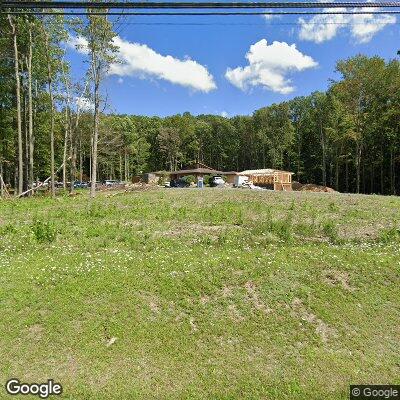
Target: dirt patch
321, 328
310, 187
204, 299
227, 291
152, 301
234, 313
193, 325
191, 228
254, 298
334, 278
35, 332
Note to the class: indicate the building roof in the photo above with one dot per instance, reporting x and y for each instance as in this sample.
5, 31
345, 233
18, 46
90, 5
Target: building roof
196, 171
260, 172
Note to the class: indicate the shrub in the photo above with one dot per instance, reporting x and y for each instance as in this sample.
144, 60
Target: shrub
389, 235
330, 230
189, 178
8, 229
44, 231
207, 179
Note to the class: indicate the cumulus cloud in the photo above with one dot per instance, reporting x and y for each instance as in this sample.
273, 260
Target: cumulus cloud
362, 27
269, 66
365, 26
78, 43
84, 104
139, 60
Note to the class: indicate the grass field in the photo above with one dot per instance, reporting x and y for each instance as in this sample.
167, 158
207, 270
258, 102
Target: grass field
201, 294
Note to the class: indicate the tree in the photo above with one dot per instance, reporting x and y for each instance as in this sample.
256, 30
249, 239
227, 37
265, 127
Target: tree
18, 101
98, 33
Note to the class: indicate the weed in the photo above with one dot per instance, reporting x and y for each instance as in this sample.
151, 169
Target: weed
389, 235
44, 231
330, 230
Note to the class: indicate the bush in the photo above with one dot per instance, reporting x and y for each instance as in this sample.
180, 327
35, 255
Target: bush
331, 231
389, 235
207, 179
189, 179
44, 231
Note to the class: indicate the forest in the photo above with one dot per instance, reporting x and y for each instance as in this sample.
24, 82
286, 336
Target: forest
50, 126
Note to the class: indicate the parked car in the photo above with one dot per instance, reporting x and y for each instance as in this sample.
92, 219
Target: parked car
111, 183
97, 183
80, 185
217, 181
179, 183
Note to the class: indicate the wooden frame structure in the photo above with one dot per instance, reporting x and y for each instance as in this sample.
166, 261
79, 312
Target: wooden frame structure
272, 178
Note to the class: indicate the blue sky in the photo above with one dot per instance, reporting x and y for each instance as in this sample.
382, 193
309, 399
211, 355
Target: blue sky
149, 83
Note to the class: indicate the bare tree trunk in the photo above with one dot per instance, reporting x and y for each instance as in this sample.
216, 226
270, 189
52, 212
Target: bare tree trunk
95, 135
120, 167
372, 178
26, 138
392, 172
30, 110
298, 155
358, 166
80, 161
49, 83
18, 98
125, 166
73, 162
323, 145
2, 188
67, 125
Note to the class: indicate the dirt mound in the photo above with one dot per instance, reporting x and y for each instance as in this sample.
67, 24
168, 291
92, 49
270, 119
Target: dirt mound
310, 187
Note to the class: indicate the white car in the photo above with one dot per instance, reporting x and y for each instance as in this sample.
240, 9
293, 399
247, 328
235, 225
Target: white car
111, 183
217, 181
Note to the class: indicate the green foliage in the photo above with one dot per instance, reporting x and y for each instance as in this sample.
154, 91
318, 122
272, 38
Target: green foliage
44, 231
330, 230
390, 235
189, 179
206, 179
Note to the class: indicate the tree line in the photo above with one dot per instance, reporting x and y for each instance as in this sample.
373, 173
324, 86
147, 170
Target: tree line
346, 137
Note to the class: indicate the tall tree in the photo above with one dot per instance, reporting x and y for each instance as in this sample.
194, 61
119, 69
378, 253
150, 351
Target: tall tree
99, 35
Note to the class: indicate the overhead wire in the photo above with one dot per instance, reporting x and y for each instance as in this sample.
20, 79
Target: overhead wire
189, 5
199, 13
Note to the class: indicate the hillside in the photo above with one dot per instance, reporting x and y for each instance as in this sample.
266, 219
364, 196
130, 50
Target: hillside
212, 294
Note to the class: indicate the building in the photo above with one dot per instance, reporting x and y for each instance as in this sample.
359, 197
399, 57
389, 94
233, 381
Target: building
199, 170
270, 178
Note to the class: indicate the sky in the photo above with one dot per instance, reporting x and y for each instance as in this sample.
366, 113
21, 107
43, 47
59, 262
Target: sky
231, 65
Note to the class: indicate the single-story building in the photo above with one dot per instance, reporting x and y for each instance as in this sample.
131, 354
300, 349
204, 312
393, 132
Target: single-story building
270, 178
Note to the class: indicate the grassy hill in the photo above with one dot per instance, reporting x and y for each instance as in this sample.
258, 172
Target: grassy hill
201, 294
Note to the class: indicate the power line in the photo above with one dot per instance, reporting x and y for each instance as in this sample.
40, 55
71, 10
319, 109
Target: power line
265, 24
22, 4
199, 13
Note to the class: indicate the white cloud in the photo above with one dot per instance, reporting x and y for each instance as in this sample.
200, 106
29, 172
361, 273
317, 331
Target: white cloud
137, 59
140, 60
362, 27
269, 65
322, 27
78, 43
269, 17
84, 104
224, 114
366, 25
